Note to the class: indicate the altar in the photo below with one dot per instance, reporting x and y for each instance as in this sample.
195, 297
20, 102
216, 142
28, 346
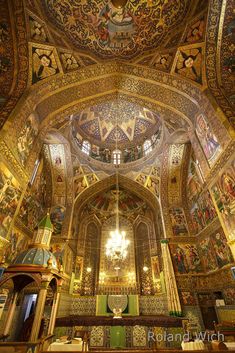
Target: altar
129, 330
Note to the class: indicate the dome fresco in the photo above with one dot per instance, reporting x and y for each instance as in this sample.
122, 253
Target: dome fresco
108, 32
116, 120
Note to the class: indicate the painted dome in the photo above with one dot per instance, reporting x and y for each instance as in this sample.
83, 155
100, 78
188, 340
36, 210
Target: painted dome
35, 256
117, 119
109, 32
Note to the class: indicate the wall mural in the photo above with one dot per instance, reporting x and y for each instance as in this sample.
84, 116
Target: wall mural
195, 31
10, 192
175, 162
31, 211
203, 212
222, 251
229, 296
105, 203
58, 250
223, 192
17, 243
185, 258
188, 298
208, 255
26, 138
108, 31
178, 222
57, 215
44, 63
194, 182
189, 63
208, 140
58, 163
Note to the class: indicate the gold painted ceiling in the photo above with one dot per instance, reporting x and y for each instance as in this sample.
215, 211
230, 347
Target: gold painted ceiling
108, 32
116, 120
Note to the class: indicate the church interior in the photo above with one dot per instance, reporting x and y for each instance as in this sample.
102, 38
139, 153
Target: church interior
117, 175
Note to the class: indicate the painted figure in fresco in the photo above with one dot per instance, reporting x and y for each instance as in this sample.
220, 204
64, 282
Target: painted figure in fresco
195, 32
44, 64
116, 24
179, 257
208, 255
189, 64
188, 298
228, 184
222, 251
208, 140
26, 138
193, 257
57, 218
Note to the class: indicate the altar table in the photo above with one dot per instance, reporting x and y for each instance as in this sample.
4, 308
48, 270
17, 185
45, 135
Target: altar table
65, 347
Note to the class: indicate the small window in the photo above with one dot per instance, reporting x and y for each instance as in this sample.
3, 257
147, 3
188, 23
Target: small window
86, 147
147, 147
117, 157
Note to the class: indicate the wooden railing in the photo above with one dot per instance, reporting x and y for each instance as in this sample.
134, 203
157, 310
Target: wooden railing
24, 347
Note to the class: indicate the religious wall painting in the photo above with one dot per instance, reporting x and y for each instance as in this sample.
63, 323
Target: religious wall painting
178, 222
10, 192
202, 212
38, 31
57, 216
109, 31
58, 167
58, 250
155, 267
153, 184
223, 192
80, 184
207, 138
31, 211
44, 63
17, 242
162, 61
208, 257
68, 260
188, 298
229, 296
186, 258
141, 179
69, 61
189, 63
194, 182
78, 267
40, 185
195, 31
27, 137
91, 179
222, 251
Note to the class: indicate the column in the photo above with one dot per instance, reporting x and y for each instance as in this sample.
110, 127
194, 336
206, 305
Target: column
10, 314
53, 313
39, 311
174, 306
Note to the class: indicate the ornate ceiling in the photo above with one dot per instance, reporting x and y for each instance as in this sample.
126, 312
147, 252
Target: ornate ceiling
116, 120
108, 32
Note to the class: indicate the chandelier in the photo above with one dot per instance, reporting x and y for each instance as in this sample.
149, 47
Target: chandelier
117, 244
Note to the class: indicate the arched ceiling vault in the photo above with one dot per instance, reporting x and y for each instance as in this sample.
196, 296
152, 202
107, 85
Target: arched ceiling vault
109, 182
66, 94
